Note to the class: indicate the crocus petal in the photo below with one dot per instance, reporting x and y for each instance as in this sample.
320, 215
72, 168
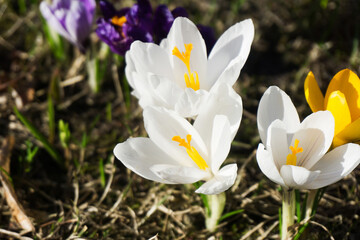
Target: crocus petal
139, 155
179, 174
90, 6
220, 142
230, 53
183, 31
348, 83
350, 133
53, 21
163, 20
335, 165
77, 24
297, 177
267, 165
278, 142
276, 104
338, 106
223, 100
146, 58
223, 180
315, 137
107, 9
190, 102
162, 125
313, 94
164, 91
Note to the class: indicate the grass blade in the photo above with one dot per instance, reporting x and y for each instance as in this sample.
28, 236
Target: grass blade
48, 147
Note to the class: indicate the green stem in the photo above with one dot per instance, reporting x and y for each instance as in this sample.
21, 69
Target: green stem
288, 212
216, 205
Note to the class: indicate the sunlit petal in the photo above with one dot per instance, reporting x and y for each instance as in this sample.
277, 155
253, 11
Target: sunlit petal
313, 94
338, 106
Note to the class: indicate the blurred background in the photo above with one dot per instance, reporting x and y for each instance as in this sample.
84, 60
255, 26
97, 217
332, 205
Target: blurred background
64, 175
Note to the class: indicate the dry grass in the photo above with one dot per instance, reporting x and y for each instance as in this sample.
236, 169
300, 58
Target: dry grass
292, 37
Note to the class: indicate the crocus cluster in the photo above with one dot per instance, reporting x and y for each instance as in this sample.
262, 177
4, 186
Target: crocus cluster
72, 19
120, 28
177, 80
295, 154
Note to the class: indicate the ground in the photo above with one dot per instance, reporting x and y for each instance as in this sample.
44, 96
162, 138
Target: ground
94, 196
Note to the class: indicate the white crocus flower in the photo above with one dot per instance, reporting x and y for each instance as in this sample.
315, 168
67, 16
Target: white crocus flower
294, 154
177, 74
177, 152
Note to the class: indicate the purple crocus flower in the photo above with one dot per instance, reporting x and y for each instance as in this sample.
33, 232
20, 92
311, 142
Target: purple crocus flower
120, 28
164, 18
72, 19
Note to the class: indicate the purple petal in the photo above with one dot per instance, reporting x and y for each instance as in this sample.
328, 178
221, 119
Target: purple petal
163, 20
77, 23
179, 12
107, 9
53, 21
208, 35
107, 32
90, 6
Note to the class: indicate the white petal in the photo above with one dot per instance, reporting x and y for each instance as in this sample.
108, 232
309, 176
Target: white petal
183, 31
166, 93
139, 154
297, 177
336, 164
230, 53
220, 182
276, 104
162, 125
315, 137
144, 90
190, 102
267, 165
180, 174
150, 58
220, 142
222, 100
278, 142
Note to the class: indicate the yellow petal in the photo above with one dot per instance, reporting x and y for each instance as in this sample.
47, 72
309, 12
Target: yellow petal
338, 106
348, 83
351, 133
313, 94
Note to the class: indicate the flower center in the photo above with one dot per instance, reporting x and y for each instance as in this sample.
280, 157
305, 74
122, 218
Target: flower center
191, 151
118, 21
291, 158
191, 78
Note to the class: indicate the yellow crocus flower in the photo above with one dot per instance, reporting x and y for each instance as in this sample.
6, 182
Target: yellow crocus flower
342, 99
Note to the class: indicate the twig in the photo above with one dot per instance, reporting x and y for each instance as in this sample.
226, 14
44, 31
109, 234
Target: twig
324, 228
13, 234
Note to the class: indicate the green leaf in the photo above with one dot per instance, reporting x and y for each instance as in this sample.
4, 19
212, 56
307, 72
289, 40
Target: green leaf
51, 116
102, 173
48, 147
229, 214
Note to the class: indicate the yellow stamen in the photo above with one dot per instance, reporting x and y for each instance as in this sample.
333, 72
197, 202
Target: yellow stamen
190, 80
191, 151
291, 158
119, 21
